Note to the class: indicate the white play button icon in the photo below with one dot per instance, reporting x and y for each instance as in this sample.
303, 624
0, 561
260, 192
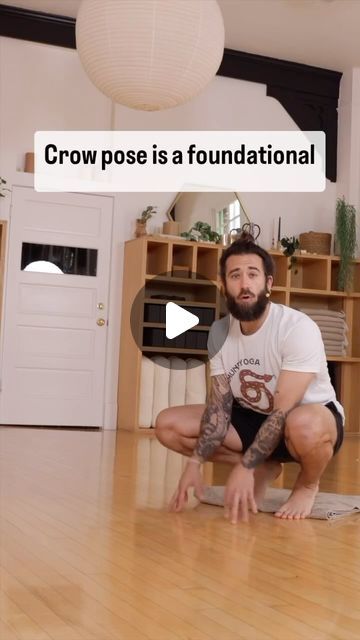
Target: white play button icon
178, 320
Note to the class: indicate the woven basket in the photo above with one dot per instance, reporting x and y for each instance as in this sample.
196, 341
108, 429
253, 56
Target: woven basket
314, 242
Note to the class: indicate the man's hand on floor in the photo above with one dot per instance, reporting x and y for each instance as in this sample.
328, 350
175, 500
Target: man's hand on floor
239, 494
191, 477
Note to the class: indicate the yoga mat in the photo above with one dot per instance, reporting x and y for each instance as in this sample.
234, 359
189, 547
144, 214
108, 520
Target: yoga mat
328, 506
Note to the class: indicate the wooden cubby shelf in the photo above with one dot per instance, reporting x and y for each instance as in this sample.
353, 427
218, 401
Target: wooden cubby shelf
187, 274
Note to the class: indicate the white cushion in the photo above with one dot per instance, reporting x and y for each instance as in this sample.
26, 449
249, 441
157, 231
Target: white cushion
161, 386
146, 392
195, 382
177, 386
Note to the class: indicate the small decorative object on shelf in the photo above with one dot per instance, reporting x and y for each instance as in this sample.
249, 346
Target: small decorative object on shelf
251, 229
279, 235
171, 228
316, 242
345, 241
140, 229
29, 162
289, 246
201, 232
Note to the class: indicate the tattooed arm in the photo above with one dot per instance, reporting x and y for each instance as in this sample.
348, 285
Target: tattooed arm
266, 439
214, 426
239, 492
290, 390
215, 421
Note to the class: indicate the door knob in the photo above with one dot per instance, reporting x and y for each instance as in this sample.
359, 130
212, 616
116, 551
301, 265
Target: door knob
100, 322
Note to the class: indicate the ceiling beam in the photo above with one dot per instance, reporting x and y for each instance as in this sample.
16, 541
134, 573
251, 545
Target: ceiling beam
37, 26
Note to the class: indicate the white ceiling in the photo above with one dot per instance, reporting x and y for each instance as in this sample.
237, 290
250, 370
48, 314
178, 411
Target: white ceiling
323, 33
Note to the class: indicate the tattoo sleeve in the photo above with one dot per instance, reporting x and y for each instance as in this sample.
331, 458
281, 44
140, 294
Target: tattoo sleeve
266, 440
215, 420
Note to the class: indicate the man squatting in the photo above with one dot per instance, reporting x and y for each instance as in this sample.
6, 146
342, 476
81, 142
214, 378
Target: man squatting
271, 398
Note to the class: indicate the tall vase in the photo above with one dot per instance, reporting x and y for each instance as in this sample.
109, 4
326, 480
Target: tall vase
140, 229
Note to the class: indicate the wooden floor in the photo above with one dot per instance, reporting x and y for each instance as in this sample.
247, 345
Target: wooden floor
88, 551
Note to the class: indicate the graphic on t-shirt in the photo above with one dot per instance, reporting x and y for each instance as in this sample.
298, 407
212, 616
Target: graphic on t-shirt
254, 391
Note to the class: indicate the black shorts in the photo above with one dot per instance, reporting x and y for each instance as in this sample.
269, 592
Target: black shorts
247, 423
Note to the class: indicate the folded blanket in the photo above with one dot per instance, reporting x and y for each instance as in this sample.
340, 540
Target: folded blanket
326, 323
332, 332
328, 506
334, 343
322, 312
335, 351
330, 346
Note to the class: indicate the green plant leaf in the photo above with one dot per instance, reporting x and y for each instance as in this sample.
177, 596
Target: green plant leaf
345, 233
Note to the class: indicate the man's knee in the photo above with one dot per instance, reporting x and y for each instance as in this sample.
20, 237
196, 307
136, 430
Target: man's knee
165, 426
306, 428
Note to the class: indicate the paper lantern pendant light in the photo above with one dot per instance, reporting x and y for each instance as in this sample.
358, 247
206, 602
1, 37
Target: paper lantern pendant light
150, 54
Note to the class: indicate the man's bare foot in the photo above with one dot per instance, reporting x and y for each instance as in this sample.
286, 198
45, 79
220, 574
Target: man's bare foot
265, 475
299, 504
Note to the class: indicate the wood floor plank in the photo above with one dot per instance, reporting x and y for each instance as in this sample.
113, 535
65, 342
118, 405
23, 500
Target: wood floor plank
88, 550
14, 616
115, 627
188, 622
6, 632
278, 624
63, 598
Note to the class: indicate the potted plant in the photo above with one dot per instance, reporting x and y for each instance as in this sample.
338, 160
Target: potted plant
290, 245
141, 222
345, 241
201, 232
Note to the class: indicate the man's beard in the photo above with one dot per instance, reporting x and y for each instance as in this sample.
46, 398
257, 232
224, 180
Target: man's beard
247, 311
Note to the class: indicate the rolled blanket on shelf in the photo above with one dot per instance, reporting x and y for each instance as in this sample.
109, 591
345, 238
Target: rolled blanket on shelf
177, 385
161, 386
195, 382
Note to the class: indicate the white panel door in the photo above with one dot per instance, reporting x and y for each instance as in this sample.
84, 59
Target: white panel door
55, 324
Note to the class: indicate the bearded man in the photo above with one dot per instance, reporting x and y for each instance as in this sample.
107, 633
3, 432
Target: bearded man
271, 398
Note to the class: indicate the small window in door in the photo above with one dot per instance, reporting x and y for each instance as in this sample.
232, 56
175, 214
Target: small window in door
46, 258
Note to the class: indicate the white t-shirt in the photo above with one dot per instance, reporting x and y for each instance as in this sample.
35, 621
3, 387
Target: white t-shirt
288, 340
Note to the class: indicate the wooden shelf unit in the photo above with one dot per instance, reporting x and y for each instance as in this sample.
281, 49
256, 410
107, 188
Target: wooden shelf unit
148, 265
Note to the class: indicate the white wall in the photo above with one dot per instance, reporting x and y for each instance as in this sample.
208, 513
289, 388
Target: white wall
228, 104
44, 87
348, 184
